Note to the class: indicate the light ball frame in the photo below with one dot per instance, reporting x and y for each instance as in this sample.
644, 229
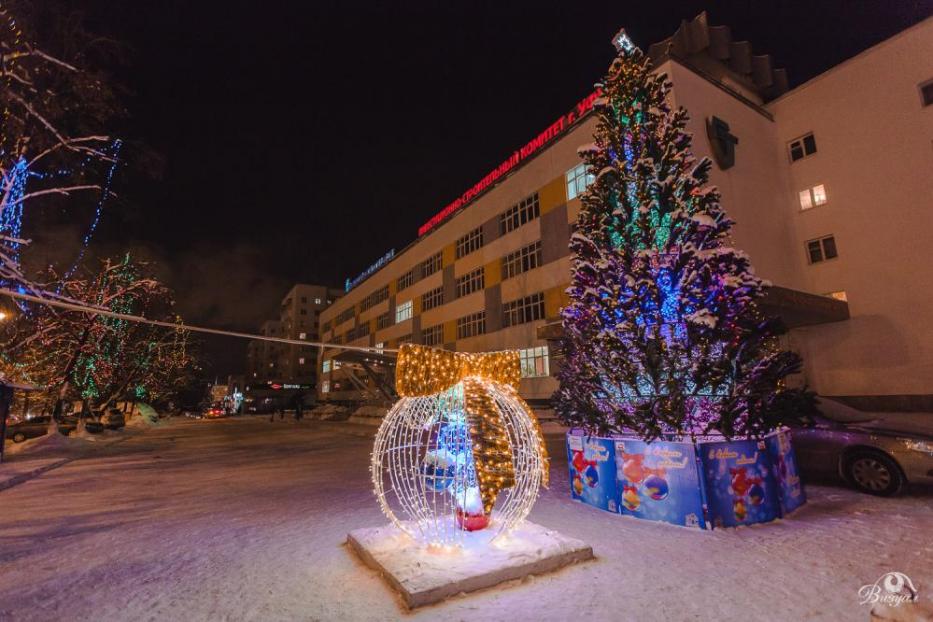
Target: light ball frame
407, 445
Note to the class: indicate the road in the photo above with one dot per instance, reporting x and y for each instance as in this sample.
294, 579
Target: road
243, 519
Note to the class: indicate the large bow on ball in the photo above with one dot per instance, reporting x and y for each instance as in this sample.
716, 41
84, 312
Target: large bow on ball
422, 371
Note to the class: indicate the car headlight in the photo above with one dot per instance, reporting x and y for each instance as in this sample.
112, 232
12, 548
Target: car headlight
918, 445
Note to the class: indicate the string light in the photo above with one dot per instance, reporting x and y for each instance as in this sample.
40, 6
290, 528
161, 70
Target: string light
458, 439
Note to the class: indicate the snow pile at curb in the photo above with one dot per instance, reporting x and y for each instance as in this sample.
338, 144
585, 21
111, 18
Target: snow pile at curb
330, 412
47, 444
147, 416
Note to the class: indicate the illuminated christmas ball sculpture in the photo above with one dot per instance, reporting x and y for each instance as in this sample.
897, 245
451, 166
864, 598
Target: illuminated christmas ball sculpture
460, 451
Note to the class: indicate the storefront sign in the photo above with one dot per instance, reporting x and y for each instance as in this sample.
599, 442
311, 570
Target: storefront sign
368, 271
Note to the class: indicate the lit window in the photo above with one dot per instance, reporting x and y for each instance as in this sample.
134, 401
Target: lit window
325, 367
301, 360
812, 197
535, 363
336, 365
317, 301
302, 335
577, 181
403, 312
325, 386
271, 364
822, 249
379, 346
840, 295
254, 374
802, 147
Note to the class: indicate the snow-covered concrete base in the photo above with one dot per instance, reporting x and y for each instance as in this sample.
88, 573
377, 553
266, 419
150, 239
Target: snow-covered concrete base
426, 575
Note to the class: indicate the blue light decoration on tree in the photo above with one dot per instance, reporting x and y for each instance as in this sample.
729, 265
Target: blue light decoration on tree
114, 156
662, 334
11, 216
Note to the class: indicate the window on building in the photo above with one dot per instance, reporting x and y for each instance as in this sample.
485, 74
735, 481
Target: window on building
317, 301
326, 326
302, 335
383, 321
325, 386
325, 367
337, 365
375, 298
522, 260
527, 309
472, 241
345, 315
431, 265
822, 249
926, 93
304, 299
471, 325
301, 360
379, 346
302, 312
432, 298
802, 147
535, 362
360, 331
470, 282
403, 311
812, 197
404, 281
433, 335
271, 364
404, 339
522, 212
840, 295
577, 181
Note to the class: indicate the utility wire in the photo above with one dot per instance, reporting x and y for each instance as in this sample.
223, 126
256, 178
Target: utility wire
196, 329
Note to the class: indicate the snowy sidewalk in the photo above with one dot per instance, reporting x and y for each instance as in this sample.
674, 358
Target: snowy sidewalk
242, 519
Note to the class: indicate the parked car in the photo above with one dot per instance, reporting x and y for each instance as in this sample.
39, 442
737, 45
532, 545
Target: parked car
872, 455
113, 419
37, 426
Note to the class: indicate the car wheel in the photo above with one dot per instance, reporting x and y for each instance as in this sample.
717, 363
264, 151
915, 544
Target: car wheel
874, 472
19, 437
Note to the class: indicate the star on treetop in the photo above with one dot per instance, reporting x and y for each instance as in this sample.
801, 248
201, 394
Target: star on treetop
622, 42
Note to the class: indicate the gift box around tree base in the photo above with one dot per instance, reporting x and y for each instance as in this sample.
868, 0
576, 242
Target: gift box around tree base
707, 484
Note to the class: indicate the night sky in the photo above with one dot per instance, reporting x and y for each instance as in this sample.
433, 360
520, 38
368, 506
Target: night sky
299, 141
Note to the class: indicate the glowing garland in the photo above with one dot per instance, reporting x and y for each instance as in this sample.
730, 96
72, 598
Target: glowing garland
460, 451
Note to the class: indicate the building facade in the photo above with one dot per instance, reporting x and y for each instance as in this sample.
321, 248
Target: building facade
830, 184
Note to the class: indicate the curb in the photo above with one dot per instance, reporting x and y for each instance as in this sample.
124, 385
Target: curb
16, 480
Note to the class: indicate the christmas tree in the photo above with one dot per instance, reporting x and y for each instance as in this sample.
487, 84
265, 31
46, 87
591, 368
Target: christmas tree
662, 334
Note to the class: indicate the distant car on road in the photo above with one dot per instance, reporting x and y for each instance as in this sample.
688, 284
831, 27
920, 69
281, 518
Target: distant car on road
215, 411
873, 456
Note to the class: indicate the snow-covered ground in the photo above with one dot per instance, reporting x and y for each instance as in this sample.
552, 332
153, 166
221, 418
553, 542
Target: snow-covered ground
244, 519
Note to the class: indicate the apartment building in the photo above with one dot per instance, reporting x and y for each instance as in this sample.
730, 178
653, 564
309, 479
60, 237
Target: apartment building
830, 184
270, 363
